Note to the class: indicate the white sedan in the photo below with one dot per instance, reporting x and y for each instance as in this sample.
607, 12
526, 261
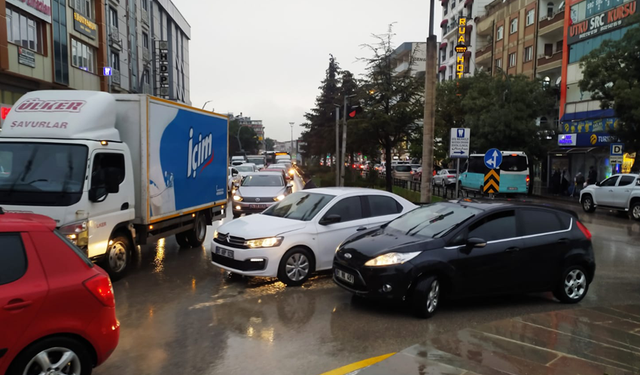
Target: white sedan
299, 235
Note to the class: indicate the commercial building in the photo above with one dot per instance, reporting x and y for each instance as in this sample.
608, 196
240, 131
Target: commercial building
586, 141
76, 44
452, 12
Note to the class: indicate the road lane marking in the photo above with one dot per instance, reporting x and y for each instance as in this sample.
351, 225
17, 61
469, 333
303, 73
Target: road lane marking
344, 370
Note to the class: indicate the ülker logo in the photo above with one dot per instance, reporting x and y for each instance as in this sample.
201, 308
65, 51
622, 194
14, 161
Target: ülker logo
37, 105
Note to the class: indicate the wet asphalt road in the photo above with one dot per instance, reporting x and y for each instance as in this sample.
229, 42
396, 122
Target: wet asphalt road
180, 314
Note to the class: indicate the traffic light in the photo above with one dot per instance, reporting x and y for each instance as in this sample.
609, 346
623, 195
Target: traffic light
354, 111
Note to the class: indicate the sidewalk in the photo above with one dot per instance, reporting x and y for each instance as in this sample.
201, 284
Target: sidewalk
586, 341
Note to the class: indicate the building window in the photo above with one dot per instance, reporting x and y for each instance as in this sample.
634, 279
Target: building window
113, 18
145, 5
445, 11
84, 7
145, 77
514, 26
451, 51
145, 40
499, 63
453, 4
24, 30
60, 42
115, 61
559, 46
83, 56
512, 60
528, 53
530, 17
549, 10
500, 33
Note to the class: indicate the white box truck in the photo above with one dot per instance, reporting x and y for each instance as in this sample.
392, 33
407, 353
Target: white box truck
115, 171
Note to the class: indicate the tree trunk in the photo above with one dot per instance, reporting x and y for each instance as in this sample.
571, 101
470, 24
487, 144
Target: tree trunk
387, 155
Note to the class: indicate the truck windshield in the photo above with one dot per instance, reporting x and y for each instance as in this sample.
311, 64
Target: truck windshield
41, 173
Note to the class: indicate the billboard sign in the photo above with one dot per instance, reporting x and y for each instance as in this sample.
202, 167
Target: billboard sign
601, 23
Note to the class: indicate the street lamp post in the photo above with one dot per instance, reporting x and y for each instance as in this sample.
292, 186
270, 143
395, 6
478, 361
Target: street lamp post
205, 104
292, 123
344, 139
429, 112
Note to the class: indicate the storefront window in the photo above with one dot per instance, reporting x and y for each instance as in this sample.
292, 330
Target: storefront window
82, 56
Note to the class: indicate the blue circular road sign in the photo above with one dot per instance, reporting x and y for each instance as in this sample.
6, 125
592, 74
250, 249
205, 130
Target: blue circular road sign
493, 158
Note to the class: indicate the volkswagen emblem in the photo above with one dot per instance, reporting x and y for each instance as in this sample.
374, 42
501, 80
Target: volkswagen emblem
257, 199
347, 256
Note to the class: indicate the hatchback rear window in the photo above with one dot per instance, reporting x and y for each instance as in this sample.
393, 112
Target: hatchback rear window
403, 168
540, 222
13, 260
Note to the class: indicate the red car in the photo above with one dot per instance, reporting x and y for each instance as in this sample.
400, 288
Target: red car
57, 309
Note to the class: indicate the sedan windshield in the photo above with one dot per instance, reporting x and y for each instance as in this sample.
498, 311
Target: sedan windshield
256, 161
299, 206
403, 168
244, 168
263, 180
434, 220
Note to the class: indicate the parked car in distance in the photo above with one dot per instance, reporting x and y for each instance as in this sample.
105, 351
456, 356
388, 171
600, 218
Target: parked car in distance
619, 192
299, 235
258, 191
468, 249
58, 310
402, 171
417, 174
445, 177
259, 160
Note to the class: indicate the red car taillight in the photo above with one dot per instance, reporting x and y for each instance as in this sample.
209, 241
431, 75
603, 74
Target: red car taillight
584, 230
528, 179
101, 288
450, 176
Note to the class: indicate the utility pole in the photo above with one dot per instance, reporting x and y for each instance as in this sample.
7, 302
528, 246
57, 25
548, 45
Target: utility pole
291, 123
429, 112
344, 140
337, 162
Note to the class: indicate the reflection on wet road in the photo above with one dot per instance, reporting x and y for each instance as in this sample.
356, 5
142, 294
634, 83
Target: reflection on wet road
180, 314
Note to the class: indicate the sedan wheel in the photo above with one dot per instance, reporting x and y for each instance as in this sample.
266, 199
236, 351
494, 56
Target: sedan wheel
295, 267
574, 285
426, 297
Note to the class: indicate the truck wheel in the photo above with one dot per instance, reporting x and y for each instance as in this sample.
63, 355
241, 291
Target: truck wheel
635, 210
118, 256
587, 203
196, 236
182, 240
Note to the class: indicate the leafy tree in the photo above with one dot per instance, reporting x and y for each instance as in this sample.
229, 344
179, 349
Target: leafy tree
393, 103
611, 73
248, 139
269, 144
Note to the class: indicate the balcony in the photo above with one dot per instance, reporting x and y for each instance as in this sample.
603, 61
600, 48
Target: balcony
115, 77
546, 62
551, 23
114, 39
483, 52
146, 55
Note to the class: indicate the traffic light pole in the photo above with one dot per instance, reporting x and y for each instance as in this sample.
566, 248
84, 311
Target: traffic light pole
337, 157
429, 112
344, 142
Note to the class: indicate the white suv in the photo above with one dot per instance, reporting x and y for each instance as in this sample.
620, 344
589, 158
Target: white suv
618, 192
300, 234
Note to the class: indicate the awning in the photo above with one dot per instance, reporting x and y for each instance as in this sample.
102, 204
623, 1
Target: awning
467, 54
444, 23
468, 2
443, 45
442, 68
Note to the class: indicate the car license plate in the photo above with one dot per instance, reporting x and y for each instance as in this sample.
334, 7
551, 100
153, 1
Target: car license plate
512, 188
257, 206
345, 276
224, 252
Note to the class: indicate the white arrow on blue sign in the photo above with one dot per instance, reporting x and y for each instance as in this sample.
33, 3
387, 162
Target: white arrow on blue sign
493, 158
459, 143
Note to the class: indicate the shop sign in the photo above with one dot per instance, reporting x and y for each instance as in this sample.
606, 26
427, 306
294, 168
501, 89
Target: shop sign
26, 57
461, 46
591, 126
601, 23
567, 139
38, 8
85, 27
163, 69
595, 139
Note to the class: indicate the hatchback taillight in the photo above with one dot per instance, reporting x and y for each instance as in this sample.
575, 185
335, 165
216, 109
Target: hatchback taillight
584, 230
450, 176
101, 288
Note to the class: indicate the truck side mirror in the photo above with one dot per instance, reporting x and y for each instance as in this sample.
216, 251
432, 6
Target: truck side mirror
98, 194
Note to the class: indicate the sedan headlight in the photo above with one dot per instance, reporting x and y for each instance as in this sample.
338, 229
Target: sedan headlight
237, 198
215, 234
279, 198
391, 259
264, 242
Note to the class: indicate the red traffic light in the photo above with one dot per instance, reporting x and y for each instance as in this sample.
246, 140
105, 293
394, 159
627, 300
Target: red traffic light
352, 114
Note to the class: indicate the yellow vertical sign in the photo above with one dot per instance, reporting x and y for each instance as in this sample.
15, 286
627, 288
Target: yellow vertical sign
461, 46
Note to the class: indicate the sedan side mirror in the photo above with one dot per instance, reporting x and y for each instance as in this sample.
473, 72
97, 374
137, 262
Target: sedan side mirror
330, 219
476, 242
290, 186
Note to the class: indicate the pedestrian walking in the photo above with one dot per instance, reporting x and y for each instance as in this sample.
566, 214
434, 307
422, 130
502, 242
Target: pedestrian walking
579, 180
592, 178
564, 183
308, 183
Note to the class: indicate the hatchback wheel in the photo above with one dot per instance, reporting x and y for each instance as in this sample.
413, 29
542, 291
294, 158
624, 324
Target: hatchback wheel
573, 286
53, 356
587, 203
295, 267
426, 297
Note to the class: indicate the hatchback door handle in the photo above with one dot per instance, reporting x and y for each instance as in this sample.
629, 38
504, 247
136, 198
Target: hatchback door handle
512, 250
563, 241
361, 229
17, 304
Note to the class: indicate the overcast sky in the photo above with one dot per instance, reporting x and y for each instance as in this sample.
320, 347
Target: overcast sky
266, 58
